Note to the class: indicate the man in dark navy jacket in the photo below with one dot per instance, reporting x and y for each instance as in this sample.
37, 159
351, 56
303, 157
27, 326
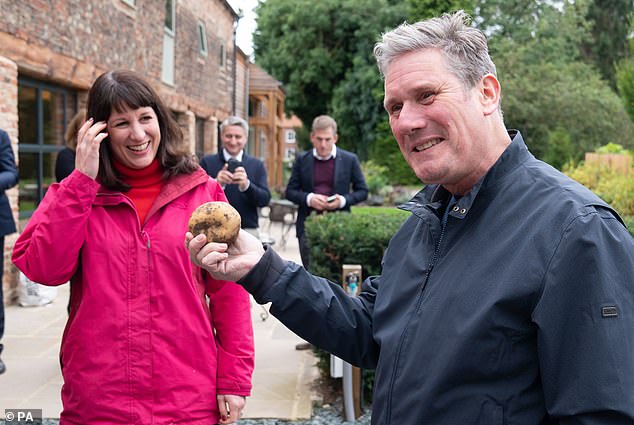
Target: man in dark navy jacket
8, 179
324, 179
245, 185
507, 296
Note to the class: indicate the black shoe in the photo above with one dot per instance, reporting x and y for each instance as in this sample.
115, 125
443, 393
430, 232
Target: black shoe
3, 368
304, 346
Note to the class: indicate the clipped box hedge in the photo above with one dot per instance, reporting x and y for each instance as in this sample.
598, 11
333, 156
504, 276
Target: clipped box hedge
359, 237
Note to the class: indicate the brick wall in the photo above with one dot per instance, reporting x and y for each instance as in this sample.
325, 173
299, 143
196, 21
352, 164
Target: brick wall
70, 43
9, 123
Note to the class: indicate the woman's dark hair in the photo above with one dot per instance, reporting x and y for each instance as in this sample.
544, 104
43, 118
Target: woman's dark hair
122, 89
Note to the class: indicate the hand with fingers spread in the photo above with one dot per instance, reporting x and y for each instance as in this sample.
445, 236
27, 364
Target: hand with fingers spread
89, 138
222, 261
230, 407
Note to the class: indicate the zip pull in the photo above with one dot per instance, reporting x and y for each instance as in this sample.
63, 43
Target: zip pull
145, 236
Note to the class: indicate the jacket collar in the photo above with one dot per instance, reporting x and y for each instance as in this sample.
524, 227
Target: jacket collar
174, 187
433, 197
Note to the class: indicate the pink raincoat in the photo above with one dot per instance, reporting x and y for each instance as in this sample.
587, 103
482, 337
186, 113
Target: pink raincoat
142, 344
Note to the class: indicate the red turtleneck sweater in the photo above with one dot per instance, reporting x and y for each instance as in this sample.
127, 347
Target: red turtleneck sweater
145, 185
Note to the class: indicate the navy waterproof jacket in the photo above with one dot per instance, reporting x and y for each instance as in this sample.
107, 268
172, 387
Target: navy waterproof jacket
519, 310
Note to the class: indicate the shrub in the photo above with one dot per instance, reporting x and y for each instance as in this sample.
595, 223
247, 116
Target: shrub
358, 238
615, 188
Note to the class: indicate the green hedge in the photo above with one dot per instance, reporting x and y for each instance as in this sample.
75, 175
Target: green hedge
359, 237
342, 238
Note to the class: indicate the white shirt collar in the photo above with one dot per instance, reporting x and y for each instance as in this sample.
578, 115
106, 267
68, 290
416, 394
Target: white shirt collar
333, 154
227, 155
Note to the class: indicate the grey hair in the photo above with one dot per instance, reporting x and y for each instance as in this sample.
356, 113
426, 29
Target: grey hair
324, 122
233, 120
464, 47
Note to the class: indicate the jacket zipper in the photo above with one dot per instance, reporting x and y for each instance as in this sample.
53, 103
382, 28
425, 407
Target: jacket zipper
434, 259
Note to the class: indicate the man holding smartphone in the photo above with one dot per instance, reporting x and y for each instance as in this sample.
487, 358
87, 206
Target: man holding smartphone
243, 177
324, 179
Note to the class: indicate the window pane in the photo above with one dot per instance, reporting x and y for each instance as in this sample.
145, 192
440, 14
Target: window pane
53, 105
28, 198
27, 113
30, 193
169, 15
202, 39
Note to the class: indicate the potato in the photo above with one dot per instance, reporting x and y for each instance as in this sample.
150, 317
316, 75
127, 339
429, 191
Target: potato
218, 221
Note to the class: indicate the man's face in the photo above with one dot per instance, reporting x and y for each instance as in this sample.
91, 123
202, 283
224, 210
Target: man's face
233, 139
323, 140
439, 126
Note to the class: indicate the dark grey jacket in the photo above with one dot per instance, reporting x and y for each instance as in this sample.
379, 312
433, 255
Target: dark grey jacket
348, 181
519, 311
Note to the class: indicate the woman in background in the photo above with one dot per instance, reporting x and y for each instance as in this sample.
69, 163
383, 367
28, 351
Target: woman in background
65, 162
151, 339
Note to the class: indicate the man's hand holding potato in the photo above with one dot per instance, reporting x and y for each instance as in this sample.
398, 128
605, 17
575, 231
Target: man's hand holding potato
222, 261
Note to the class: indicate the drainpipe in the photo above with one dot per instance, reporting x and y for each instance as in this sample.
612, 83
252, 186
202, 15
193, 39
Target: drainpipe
235, 57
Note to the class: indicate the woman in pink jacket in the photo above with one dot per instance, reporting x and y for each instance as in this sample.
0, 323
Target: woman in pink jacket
151, 338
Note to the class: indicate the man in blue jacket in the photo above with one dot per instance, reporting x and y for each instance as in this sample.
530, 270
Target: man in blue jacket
325, 178
243, 177
507, 297
8, 179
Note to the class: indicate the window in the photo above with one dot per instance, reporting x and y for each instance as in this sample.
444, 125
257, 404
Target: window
289, 154
202, 39
170, 16
290, 136
43, 111
223, 56
167, 69
200, 138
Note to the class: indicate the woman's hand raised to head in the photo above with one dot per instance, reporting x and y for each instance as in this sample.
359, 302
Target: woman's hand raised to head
89, 138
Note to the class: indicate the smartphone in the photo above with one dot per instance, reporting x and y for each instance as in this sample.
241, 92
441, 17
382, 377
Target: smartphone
233, 164
331, 198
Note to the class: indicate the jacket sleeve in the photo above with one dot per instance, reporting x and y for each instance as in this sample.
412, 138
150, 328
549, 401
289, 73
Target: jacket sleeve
48, 249
258, 191
316, 309
230, 309
295, 192
585, 320
231, 318
359, 187
8, 169
207, 164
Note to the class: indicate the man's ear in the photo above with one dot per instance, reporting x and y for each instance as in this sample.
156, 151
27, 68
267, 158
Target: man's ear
490, 92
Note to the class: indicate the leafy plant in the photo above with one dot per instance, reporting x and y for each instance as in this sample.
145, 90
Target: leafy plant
615, 188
